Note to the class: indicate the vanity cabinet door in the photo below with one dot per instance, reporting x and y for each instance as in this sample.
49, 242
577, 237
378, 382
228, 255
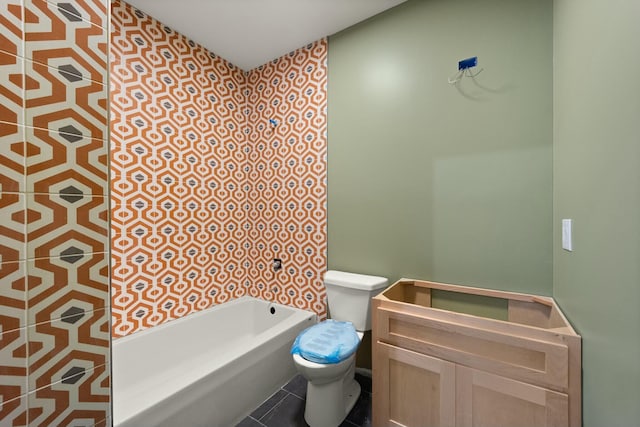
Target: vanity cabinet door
485, 399
412, 389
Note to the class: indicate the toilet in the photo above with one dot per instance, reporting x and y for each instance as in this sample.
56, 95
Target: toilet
332, 389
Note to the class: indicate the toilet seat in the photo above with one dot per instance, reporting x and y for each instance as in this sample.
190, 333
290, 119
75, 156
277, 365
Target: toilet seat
327, 342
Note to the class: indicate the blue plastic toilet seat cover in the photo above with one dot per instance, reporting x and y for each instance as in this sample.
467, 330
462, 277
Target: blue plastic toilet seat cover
330, 341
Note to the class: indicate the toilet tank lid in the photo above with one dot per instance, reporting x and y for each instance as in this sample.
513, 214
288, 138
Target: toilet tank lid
356, 281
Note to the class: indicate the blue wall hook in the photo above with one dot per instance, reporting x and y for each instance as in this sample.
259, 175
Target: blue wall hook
468, 63
464, 66
273, 122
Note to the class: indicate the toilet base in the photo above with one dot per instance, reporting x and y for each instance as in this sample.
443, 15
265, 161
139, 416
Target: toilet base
351, 394
328, 404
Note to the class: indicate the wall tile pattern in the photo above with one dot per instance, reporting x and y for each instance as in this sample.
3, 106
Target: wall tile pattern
198, 208
178, 164
287, 182
54, 242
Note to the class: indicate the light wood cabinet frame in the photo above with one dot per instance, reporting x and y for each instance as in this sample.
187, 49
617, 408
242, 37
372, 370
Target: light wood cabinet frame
534, 406
432, 403
535, 349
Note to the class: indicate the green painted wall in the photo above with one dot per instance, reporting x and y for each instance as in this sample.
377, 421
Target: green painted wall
432, 181
597, 184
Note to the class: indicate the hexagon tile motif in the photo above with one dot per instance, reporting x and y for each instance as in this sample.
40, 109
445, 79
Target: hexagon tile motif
72, 315
197, 162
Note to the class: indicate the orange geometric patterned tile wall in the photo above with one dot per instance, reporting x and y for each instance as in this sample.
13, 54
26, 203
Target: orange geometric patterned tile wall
287, 185
54, 278
214, 173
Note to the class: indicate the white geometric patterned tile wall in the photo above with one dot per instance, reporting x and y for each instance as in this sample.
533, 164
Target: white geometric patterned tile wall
54, 245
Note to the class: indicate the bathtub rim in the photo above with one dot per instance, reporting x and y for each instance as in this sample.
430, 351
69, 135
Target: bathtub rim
200, 313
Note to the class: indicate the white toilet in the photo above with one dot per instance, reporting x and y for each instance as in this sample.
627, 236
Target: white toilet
332, 389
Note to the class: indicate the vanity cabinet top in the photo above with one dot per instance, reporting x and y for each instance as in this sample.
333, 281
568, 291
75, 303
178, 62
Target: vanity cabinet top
508, 309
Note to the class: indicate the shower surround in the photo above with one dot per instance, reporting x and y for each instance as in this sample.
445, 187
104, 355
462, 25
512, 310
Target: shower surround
214, 173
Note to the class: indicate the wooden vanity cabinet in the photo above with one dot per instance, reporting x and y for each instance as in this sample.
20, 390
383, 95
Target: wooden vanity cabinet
485, 399
415, 389
435, 367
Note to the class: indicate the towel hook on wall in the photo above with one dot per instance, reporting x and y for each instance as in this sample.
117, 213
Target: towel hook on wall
464, 67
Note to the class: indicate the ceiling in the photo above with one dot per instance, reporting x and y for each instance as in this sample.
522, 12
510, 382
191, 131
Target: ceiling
250, 33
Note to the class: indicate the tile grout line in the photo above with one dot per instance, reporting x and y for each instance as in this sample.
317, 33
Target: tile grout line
258, 421
346, 422
275, 405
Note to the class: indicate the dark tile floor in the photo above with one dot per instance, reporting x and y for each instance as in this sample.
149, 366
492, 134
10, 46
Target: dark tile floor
285, 408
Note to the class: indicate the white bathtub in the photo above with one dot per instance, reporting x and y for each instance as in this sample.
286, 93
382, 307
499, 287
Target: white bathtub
210, 368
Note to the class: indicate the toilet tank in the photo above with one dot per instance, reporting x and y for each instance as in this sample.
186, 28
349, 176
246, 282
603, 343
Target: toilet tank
349, 296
